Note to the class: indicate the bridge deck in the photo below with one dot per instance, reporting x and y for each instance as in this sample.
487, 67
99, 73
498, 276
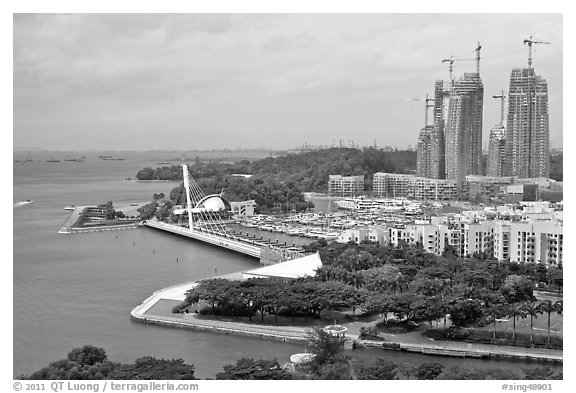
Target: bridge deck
235, 243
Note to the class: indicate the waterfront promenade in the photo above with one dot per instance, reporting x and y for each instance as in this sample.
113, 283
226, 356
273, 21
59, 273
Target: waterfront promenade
156, 310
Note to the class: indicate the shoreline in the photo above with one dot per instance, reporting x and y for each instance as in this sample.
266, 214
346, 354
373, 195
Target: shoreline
296, 334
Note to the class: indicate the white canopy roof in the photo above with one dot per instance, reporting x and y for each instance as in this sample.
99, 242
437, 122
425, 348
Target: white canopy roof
305, 266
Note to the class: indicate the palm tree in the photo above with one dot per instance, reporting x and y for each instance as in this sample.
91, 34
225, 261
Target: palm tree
493, 311
515, 312
532, 310
559, 307
548, 307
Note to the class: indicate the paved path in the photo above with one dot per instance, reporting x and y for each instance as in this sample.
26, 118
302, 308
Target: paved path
153, 310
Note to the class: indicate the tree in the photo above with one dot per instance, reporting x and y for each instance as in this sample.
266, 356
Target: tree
377, 303
213, 291
147, 211
517, 289
429, 370
549, 307
382, 369
148, 368
532, 310
541, 373
402, 305
428, 309
250, 369
459, 373
336, 368
380, 278
90, 362
87, 355
495, 305
555, 277
516, 311
323, 345
465, 312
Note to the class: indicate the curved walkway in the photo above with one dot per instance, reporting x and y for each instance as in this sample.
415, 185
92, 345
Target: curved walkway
164, 299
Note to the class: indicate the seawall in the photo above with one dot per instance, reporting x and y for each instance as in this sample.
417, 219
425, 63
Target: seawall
299, 334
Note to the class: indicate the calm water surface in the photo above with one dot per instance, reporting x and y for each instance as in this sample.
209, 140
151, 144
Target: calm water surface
71, 290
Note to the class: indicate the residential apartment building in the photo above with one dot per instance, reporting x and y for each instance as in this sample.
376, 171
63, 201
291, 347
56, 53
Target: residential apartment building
394, 185
528, 134
345, 185
424, 153
533, 241
496, 152
486, 186
463, 131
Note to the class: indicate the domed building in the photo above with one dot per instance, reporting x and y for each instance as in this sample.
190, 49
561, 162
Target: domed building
211, 203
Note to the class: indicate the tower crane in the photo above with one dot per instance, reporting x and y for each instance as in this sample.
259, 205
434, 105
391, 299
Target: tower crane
502, 99
426, 109
451, 60
531, 42
477, 50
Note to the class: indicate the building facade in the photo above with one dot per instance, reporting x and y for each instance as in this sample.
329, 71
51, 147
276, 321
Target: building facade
438, 140
486, 186
424, 153
496, 152
463, 131
528, 134
532, 241
345, 185
394, 185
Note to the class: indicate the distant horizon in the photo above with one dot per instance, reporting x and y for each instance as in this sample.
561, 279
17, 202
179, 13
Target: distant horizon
43, 150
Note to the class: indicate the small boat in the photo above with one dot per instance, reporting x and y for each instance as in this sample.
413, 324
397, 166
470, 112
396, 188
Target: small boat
69, 207
22, 203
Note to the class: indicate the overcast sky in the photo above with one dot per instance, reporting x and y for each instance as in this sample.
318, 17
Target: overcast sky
205, 81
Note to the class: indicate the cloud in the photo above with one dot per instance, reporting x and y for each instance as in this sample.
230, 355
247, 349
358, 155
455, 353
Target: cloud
264, 67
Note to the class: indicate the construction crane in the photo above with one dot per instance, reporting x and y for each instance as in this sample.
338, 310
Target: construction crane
477, 50
531, 42
426, 109
502, 99
451, 60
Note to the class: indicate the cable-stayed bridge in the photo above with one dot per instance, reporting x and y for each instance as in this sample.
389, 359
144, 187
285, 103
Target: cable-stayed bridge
206, 224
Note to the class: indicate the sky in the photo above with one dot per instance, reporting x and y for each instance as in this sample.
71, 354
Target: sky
210, 81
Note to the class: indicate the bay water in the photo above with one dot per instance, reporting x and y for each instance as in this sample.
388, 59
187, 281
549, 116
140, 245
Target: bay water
72, 290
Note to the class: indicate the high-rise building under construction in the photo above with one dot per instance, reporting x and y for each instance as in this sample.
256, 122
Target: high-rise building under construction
496, 151
431, 141
497, 145
423, 153
441, 95
463, 130
527, 134
425, 165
